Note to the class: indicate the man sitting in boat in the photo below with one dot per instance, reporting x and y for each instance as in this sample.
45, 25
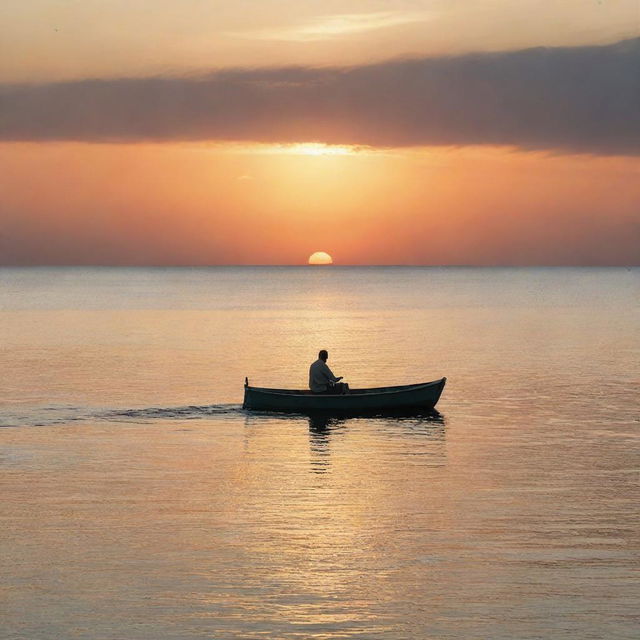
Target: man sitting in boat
321, 378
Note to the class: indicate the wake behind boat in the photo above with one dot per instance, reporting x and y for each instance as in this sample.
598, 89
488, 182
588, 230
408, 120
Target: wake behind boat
423, 395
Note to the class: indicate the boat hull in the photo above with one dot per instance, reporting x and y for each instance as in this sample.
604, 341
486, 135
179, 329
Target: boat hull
408, 397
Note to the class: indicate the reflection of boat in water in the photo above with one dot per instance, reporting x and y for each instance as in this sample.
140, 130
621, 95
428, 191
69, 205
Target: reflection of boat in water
422, 430
325, 422
425, 425
358, 401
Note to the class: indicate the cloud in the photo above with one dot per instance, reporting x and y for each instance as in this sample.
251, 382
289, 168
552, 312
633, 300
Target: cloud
578, 99
333, 26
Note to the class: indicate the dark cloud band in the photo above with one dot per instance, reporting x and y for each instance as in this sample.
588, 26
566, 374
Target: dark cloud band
580, 99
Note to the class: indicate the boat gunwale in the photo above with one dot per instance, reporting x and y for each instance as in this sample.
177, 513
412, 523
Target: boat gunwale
352, 393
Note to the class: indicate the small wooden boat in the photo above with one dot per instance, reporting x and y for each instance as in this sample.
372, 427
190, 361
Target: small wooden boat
376, 400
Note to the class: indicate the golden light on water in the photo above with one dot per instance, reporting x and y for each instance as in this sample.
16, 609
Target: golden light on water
320, 258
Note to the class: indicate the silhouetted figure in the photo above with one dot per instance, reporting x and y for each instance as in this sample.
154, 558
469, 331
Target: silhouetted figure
321, 378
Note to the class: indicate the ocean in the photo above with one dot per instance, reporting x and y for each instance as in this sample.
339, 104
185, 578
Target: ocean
141, 502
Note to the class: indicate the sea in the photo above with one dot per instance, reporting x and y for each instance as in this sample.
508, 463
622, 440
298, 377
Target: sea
139, 501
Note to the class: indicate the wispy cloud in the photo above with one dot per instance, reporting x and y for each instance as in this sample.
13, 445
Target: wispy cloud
580, 99
333, 26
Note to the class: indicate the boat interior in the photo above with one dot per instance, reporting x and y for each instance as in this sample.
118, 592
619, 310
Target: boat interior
352, 392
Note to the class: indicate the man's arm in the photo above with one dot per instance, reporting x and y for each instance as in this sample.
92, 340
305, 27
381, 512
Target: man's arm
327, 372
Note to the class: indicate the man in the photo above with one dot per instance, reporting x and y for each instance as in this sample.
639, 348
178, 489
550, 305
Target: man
321, 378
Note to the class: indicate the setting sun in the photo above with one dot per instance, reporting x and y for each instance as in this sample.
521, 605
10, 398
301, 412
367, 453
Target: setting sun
319, 258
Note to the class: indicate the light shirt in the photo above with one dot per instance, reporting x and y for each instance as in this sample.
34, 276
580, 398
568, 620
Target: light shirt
319, 376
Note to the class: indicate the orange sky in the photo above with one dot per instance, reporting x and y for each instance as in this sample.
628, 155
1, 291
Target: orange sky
109, 204
49, 39
195, 173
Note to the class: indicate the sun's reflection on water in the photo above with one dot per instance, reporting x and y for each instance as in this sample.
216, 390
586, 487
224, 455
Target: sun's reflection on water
318, 511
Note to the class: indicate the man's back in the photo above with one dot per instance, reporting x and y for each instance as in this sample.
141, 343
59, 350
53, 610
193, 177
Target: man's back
319, 376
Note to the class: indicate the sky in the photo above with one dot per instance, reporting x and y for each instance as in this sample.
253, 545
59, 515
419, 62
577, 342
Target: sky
157, 132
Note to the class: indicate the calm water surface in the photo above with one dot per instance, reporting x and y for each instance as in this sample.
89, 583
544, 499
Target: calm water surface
140, 502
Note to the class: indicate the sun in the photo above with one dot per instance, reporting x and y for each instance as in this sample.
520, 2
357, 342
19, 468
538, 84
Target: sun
320, 257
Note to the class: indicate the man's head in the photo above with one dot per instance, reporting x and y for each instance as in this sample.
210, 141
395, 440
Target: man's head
323, 355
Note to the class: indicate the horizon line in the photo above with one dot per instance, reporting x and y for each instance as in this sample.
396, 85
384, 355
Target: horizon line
322, 266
